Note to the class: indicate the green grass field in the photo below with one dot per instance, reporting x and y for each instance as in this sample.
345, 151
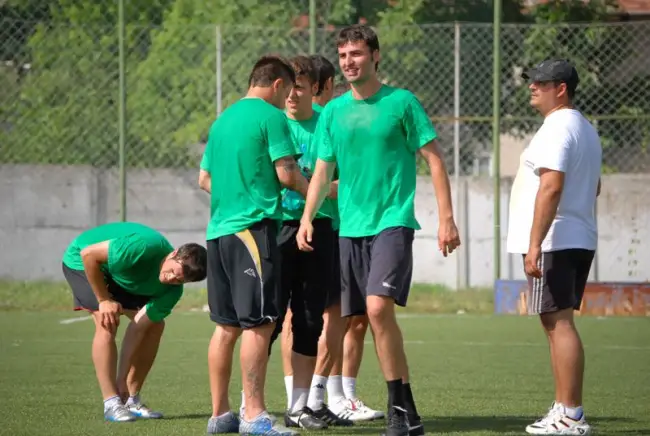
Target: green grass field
472, 375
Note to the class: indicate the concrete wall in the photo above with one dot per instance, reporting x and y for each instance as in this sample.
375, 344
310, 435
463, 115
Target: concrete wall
44, 207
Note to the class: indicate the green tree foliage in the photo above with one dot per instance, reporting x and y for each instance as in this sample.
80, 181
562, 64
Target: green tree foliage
66, 111
421, 58
173, 99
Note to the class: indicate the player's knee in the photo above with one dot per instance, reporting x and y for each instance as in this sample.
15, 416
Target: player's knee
305, 337
380, 309
103, 334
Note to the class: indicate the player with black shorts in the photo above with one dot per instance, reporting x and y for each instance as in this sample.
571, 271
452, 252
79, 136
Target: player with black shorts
250, 156
127, 268
307, 278
374, 134
552, 226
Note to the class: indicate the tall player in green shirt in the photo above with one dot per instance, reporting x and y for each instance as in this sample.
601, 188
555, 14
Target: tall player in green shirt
250, 156
131, 269
374, 133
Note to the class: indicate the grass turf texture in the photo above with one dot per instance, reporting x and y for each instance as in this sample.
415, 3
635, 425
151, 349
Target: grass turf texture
472, 375
56, 296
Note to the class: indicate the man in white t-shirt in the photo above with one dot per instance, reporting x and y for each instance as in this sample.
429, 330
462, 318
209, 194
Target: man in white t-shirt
552, 224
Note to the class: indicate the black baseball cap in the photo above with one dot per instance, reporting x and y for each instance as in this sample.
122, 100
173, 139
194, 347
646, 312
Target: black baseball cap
553, 70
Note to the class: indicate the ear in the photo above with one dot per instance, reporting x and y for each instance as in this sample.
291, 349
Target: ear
277, 84
314, 88
562, 90
173, 254
376, 56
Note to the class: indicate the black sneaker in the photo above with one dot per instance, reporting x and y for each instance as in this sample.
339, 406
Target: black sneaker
398, 424
304, 419
416, 428
329, 418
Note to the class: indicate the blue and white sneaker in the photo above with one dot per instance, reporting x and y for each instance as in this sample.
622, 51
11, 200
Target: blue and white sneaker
118, 413
142, 411
264, 425
557, 423
227, 423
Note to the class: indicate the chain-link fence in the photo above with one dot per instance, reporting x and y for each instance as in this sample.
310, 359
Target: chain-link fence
59, 100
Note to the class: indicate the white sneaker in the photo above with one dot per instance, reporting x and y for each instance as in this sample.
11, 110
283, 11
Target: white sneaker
355, 410
556, 422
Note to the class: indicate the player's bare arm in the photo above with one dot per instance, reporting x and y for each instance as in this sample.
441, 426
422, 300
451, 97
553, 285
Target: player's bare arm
132, 340
319, 187
547, 200
290, 176
448, 238
93, 257
205, 181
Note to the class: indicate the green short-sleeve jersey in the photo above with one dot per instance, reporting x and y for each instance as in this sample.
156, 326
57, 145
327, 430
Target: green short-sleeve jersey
135, 254
374, 143
293, 203
243, 144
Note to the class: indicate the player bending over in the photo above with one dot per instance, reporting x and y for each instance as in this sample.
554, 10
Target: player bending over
249, 158
131, 269
374, 134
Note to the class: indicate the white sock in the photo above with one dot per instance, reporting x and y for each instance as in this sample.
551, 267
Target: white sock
133, 399
317, 392
335, 389
573, 412
350, 387
288, 384
300, 396
243, 404
110, 402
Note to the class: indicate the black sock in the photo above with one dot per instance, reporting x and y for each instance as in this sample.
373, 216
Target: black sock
395, 394
409, 402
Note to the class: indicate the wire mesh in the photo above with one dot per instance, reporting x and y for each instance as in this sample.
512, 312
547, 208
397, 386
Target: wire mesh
187, 60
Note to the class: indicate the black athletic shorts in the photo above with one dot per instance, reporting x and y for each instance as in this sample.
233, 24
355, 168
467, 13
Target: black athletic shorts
84, 298
376, 265
243, 277
564, 278
307, 280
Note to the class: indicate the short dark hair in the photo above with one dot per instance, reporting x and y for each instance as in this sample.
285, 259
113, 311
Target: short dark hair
303, 66
324, 69
357, 33
340, 89
194, 258
270, 68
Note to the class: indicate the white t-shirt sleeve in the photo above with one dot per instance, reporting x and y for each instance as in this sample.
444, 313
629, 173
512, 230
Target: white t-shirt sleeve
553, 153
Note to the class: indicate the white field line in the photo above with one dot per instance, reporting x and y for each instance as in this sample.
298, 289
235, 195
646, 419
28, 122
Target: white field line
76, 319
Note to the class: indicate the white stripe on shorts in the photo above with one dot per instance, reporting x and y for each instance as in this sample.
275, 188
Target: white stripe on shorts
537, 291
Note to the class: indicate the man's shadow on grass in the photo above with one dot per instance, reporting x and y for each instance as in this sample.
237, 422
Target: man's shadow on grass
504, 424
